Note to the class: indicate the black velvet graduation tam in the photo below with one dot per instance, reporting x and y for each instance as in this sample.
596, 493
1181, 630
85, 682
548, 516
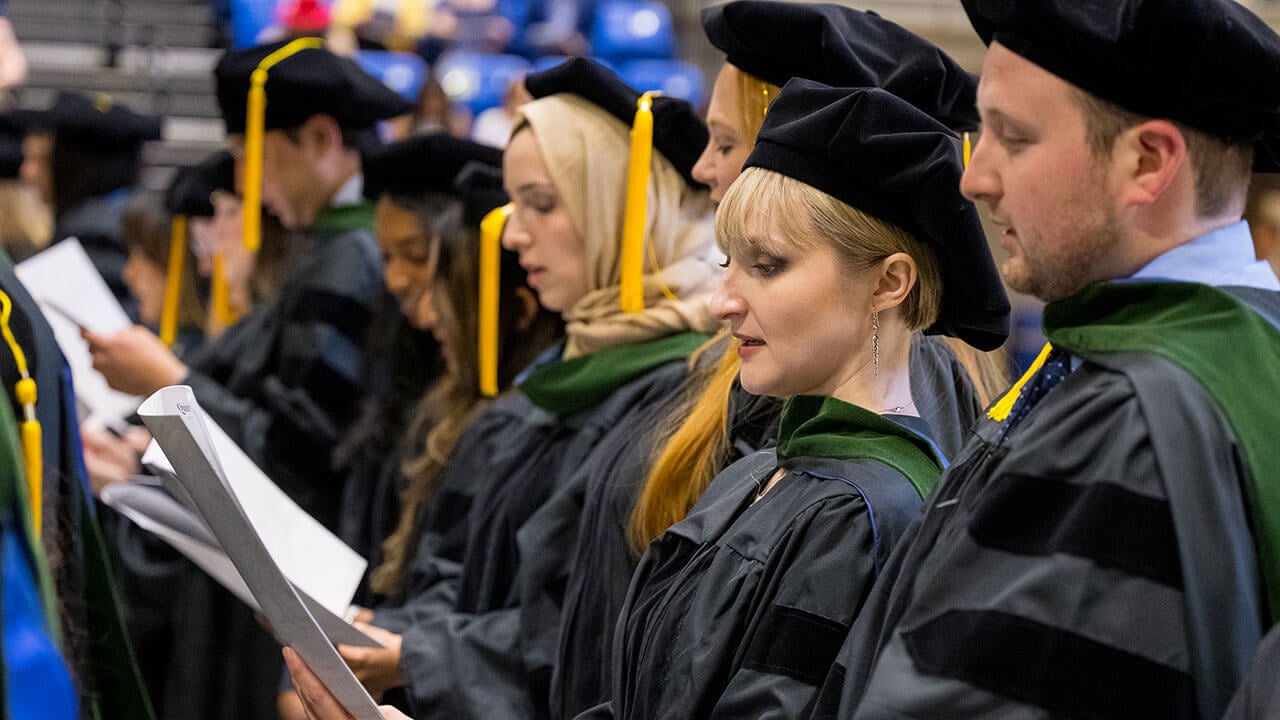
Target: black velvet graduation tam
438, 163
881, 155
94, 119
843, 47
189, 192
310, 82
678, 133
1210, 64
422, 163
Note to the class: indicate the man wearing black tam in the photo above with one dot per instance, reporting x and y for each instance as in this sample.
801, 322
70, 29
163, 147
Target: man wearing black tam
286, 381
1107, 545
283, 382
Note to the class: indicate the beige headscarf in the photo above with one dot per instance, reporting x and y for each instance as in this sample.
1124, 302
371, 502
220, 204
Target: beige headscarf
586, 151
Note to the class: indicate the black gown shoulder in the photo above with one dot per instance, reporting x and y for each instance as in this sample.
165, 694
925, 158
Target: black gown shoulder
739, 609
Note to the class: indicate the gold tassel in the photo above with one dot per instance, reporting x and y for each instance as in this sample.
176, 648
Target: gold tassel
254, 129
1000, 411
968, 149
490, 270
631, 292
220, 293
173, 282
29, 427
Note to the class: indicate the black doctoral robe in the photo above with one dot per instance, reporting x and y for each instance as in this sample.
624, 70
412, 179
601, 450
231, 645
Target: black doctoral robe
1096, 558
738, 610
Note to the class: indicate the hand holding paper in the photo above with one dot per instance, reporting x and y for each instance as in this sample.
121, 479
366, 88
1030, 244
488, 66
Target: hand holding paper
65, 284
378, 669
134, 360
319, 702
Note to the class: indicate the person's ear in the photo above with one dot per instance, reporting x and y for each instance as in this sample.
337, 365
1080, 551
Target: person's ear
897, 274
320, 134
1148, 157
528, 308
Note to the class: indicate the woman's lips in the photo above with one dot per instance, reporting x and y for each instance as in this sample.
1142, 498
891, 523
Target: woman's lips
748, 346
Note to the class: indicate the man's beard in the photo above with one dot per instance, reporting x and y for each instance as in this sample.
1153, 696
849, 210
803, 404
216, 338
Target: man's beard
1069, 268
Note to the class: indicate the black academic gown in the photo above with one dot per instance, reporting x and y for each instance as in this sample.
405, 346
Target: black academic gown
739, 609
468, 662
1259, 696
430, 576
402, 364
1093, 560
285, 383
577, 577
587, 585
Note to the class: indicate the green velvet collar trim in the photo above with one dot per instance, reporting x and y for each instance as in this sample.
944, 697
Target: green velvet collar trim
566, 387
337, 220
824, 427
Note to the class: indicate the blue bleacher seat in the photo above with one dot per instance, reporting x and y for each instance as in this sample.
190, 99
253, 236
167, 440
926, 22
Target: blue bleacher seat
477, 80
402, 72
632, 29
248, 19
672, 77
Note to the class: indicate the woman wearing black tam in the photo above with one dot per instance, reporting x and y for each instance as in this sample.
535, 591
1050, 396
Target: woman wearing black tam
766, 43
845, 234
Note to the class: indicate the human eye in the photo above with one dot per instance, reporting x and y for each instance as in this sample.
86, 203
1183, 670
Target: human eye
767, 266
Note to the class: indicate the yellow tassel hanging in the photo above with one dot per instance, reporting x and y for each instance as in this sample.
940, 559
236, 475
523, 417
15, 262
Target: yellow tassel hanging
631, 293
173, 281
968, 149
490, 271
32, 451
254, 129
29, 426
1000, 411
220, 293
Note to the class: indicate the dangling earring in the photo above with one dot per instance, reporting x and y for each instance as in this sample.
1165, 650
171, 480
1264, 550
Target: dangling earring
875, 343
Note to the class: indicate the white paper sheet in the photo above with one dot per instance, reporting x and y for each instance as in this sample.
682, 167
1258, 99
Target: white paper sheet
151, 508
177, 423
70, 292
314, 559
